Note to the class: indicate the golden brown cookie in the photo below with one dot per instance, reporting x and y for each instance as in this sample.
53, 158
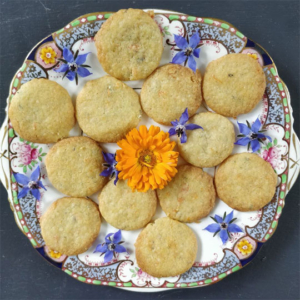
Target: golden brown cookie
107, 109
71, 225
233, 84
42, 112
74, 166
125, 209
209, 146
166, 248
169, 90
129, 44
245, 182
190, 196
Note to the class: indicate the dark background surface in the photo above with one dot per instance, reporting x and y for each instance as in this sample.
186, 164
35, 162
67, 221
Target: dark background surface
274, 273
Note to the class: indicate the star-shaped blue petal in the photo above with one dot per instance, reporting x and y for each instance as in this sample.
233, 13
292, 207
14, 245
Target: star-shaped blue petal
223, 226
111, 246
73, 66
180, 127
110, 165
251, 135
31, 184
187, 51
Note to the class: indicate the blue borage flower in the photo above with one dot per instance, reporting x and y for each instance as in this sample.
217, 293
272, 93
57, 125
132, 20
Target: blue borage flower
111, 246
188, 49
224, 226
180, 128
73, 65
32, 184
251, 135
110, 166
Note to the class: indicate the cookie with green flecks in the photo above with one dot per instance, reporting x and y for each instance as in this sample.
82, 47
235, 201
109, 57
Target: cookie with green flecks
169, 90
190, 196
129, 44
126, 210
34, 109
71, 225
233, 84
209, 146
166, 248
74, 166
245, 182
107, 109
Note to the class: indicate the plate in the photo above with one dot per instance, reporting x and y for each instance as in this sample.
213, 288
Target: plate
215, 261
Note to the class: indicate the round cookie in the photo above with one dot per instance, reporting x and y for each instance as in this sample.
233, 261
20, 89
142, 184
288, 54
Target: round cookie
169, 90
71, 225
34, 109
208, 147
190, 196
166, 248
245, 182
233, 84
107, 109
129, 44
74, 166
125, 209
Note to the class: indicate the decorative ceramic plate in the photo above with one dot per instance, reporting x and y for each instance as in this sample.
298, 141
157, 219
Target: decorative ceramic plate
215, 261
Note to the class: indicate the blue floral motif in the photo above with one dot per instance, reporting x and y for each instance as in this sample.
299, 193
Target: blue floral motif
73, 65
223, 226
111, 246
32, 184
251, 135
180, 128
188, 50
110, 165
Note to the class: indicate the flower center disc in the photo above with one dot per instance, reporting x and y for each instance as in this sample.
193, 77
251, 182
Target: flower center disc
33, 185
48, 55
223, 225
73, 67
111, 247
147, 158
253, 136
180, 130
188, 51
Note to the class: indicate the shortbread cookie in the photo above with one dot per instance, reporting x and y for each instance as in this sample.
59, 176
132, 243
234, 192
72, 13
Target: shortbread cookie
245, 182
125, 209
42, 112
107, 109
190, 196
166, 248
233, 84
169, 90
74, 166
209, 146
129, 44
71, 225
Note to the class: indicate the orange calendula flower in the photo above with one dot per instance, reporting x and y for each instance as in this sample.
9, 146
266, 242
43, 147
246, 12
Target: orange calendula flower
48, 55
146, 159
244, 247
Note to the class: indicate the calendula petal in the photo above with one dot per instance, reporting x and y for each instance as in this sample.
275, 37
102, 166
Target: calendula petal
143, 131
